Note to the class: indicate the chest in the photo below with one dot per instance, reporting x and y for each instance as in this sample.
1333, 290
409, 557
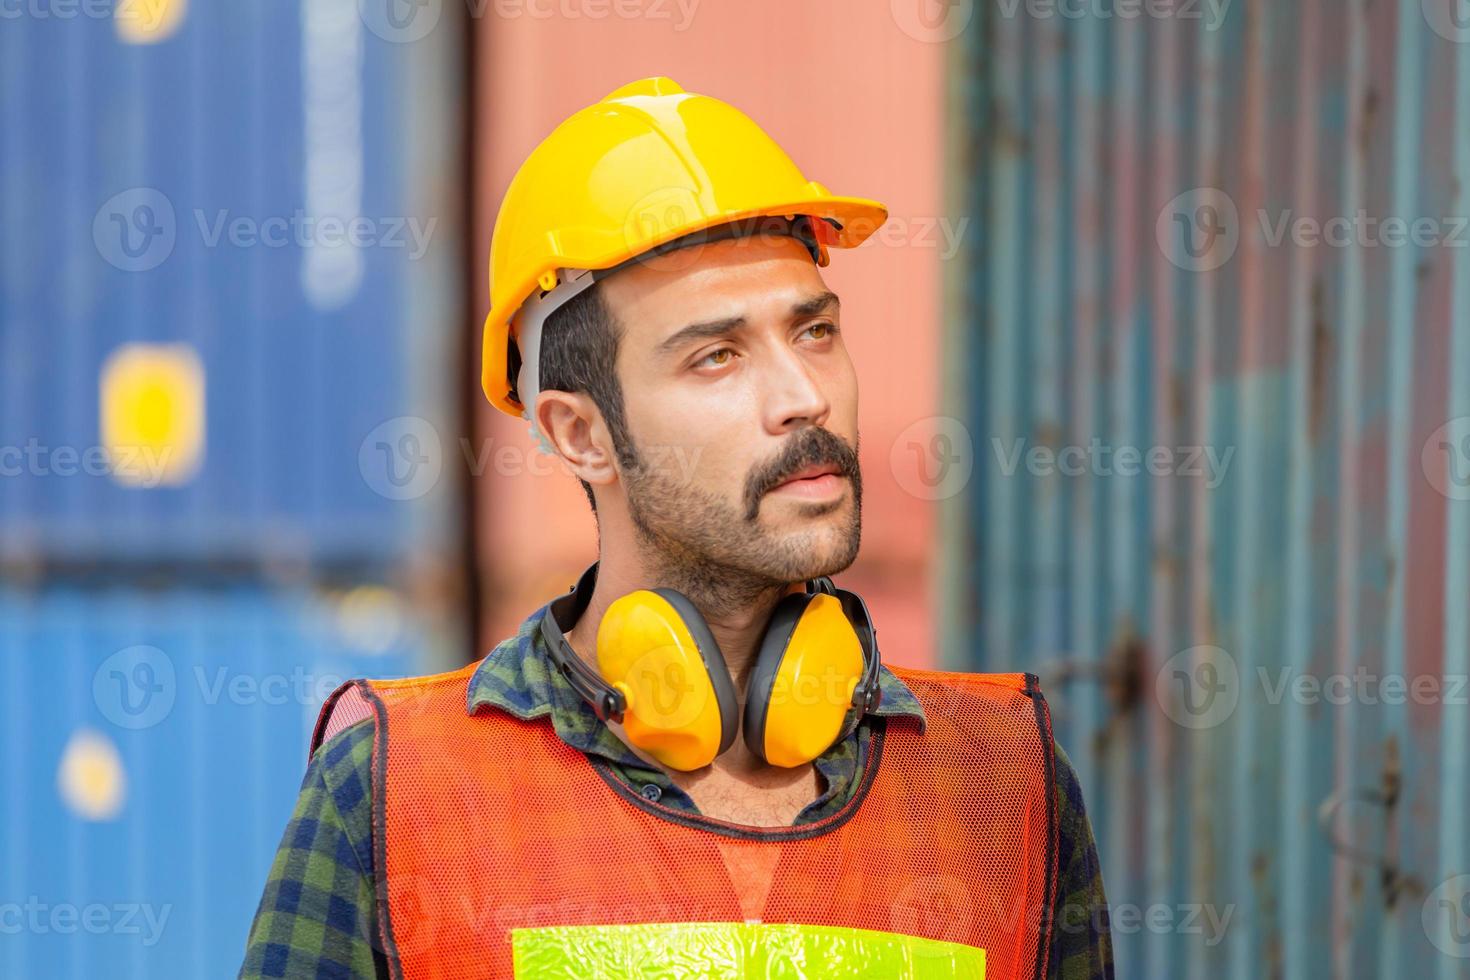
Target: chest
731, 800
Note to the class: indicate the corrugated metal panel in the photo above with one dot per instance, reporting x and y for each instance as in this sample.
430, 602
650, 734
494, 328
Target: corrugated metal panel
126, 168
186, 717
1329, 539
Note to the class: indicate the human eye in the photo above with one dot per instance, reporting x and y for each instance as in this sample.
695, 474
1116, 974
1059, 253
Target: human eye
826, 330
718, 357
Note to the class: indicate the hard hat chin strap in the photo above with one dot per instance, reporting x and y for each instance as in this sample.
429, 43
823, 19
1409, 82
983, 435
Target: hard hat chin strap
528, 324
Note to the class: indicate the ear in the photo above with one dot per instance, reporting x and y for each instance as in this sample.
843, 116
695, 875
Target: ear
574, 426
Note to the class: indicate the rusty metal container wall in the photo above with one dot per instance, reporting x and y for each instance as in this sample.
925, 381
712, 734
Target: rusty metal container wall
858, 101
1231, 641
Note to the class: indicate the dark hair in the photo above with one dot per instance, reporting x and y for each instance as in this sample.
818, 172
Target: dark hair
579, 352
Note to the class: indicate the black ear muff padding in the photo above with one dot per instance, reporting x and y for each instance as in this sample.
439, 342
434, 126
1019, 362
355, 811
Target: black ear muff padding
714, 663
767, 665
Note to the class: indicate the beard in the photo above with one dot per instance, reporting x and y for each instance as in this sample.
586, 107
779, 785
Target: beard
719, 553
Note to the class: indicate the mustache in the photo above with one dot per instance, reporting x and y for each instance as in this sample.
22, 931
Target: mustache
809, 447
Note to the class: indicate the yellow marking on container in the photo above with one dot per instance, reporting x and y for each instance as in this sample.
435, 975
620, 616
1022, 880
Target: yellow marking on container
152, 414
90, 778
148, 21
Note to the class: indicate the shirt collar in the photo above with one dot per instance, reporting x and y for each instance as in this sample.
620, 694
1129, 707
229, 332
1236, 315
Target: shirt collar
517, 678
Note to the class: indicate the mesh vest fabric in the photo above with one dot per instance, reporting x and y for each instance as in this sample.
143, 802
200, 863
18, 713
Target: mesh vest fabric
485, 824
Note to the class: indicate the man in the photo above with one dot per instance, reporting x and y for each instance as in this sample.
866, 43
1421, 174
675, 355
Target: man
694, 764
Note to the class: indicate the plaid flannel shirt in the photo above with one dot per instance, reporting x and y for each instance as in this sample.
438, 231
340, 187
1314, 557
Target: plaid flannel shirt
317, 916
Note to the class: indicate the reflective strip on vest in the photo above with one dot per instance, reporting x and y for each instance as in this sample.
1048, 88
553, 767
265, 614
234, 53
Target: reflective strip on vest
738, 950
486, 826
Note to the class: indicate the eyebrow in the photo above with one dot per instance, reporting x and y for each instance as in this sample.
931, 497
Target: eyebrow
709, 329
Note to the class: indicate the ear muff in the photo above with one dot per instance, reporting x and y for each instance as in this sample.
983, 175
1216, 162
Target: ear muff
801, 687
656, 649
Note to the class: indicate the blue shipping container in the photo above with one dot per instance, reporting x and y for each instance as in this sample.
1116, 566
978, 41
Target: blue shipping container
260, 201
153, 746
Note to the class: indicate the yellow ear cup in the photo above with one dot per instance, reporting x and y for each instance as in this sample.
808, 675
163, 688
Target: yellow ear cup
650, 649
811, 690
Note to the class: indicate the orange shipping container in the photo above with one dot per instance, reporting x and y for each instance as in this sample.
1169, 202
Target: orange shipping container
858, 102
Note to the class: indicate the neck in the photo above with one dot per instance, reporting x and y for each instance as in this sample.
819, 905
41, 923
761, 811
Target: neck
735, 609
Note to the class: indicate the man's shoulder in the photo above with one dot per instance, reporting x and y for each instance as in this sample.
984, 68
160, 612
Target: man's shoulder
344, 758
1017, 682
1066, 777
364, 699
337, 790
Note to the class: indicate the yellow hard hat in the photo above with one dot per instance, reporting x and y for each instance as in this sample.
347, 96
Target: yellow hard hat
648, 164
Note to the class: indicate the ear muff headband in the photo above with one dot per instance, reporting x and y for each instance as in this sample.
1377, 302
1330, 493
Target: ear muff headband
562, 615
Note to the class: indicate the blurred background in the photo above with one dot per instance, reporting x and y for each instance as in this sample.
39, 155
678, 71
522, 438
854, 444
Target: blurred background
1165, 366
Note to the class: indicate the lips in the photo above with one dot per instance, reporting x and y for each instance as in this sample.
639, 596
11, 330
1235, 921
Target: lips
812, 472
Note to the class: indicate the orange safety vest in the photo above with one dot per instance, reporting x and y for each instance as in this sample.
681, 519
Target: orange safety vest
487, 828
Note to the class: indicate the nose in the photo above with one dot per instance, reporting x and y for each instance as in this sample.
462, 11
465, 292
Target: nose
794, 397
